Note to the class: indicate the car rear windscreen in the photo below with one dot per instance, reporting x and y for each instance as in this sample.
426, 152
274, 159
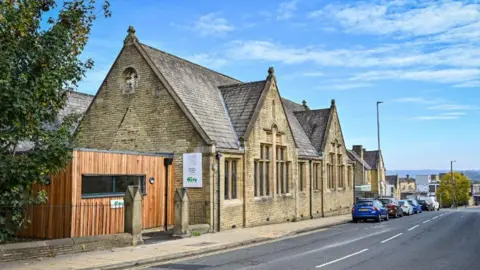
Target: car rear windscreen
365, 203
401, 203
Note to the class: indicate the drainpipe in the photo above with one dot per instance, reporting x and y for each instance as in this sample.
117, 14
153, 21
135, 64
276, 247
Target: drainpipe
311, 188
323, 202
219, 156
167, 162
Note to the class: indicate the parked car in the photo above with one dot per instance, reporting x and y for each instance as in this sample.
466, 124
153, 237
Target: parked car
369, 209
392, 205
417, 208
433, 200
407, 208
426, 205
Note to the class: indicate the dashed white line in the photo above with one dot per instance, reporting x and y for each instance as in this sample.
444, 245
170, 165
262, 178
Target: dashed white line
343, 258
395, 236
435, 217
413, 227
428, 220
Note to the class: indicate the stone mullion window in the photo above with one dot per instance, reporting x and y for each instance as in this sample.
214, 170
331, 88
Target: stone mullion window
315, 176
262, 172
331, 172
230, 181
341, 173
301, 175
282, 171
227, 180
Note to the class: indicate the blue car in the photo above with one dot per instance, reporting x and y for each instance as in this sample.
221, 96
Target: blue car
369, 209
417, 208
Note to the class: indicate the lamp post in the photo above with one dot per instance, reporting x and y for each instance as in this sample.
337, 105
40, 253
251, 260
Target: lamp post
379, 151
451, 181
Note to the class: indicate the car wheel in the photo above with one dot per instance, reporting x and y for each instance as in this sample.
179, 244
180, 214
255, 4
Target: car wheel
386, 219
379, 218
355, 220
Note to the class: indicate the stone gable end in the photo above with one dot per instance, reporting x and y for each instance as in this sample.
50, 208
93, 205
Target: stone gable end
144, 118
270, 128
337, 200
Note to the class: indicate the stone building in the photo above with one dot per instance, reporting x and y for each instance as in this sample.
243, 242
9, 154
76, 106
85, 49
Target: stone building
264, 159
370, 169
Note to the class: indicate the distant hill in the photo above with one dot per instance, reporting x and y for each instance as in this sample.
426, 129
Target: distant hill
472, 174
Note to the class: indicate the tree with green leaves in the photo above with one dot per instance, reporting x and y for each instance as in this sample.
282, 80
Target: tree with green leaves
40, 46
461, 185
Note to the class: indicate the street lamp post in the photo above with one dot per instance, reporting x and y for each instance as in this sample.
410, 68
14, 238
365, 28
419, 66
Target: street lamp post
451, 181
379, 151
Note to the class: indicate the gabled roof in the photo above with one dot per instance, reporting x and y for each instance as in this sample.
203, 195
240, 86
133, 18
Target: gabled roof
353, 156
76, 103
371, 158
241, 100
197, 89
392, 179
305, 147
314, 123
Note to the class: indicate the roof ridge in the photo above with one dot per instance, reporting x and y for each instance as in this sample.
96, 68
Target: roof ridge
190, 62
80, 93
241, 83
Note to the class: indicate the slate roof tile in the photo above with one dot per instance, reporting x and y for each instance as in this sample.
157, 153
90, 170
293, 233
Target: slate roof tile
314, 123
305, 147
241, 100
196, 86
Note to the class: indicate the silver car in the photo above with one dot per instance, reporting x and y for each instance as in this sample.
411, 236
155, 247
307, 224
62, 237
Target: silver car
407, 208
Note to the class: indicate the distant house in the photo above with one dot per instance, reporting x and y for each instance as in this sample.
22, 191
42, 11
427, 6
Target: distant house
369, 169
393, 185
407, 187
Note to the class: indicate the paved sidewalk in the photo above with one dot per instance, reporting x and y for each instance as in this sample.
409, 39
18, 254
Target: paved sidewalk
127, 257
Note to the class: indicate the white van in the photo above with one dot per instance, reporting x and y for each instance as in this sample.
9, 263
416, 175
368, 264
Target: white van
433, 200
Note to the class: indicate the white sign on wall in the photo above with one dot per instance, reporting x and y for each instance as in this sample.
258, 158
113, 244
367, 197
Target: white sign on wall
192, 170
116, 203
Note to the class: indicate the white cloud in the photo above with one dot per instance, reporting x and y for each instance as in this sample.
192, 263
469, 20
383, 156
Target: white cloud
312, 74
208, 60
469, 84
454, 113
286, 10
438, 76
423, 18
212, 24
451, 107
438, 117
419, 100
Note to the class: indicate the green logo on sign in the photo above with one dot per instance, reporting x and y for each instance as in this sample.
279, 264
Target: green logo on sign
191, 179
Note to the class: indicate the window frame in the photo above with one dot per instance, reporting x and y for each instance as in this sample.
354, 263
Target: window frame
143, 186
230, 178
262, 177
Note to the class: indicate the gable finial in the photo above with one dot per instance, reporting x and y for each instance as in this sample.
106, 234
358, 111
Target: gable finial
333, 102
131, 37
304, 104
271, 72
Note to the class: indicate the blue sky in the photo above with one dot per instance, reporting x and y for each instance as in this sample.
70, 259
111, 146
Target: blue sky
421, 58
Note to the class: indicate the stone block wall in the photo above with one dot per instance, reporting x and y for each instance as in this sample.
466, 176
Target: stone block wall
147, 120
271, 122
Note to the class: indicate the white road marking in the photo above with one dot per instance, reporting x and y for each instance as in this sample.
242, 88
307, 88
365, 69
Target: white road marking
428, 220
343, 258
395, 236
435, 217
413, 227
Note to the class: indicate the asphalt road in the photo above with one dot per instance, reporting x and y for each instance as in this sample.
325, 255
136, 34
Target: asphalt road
446, 239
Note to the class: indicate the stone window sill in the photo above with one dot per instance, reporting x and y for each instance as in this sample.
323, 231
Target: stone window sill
317, 191
287, 195
263, 199
232, 202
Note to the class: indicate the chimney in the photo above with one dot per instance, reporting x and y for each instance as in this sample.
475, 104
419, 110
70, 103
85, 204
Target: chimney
304, 104
358, 150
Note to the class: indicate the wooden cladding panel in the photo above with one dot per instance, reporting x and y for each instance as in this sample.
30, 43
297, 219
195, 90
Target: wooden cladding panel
95, 215
52, 220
